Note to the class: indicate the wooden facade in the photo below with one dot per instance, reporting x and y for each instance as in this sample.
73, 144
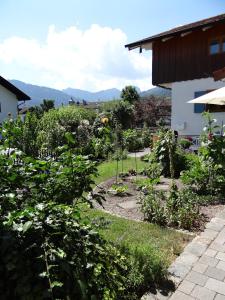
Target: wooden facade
187, 57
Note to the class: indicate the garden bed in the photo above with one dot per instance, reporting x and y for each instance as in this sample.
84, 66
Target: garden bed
128, 206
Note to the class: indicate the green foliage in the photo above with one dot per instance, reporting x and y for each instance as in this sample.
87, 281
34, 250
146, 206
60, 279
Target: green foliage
178, 209
166, 152
123, 114
47, 251
185, 143
206, 173
119, 189
131, 140
55, 123
47, 105
130, 94
151, 206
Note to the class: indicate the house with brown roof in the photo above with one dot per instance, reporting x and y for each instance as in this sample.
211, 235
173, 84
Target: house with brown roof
9, 98
189, 60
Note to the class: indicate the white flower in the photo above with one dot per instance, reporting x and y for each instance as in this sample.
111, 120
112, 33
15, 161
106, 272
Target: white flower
205, 128
214, 120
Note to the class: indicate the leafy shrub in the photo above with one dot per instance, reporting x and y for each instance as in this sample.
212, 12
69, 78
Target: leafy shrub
178, 209
119, 189
185, 143
47, 251
153, 170
166, 152
206, 171
152, 207
56, 122
132, 140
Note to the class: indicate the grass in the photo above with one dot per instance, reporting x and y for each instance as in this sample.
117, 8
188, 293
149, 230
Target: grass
145, 237
107, 169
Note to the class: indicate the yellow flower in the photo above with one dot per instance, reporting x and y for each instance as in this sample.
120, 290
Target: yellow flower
104, 120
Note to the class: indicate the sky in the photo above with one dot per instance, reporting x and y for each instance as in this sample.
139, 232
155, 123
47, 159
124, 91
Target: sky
80, 43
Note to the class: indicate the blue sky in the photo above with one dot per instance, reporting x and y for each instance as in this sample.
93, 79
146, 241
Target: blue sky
80, 43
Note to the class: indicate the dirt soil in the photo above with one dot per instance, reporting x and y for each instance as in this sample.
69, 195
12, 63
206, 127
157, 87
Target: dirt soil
127, 206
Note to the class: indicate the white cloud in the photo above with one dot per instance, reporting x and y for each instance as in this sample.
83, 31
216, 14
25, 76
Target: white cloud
93, 59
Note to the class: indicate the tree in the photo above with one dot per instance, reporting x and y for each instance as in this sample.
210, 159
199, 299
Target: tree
47, 104
123, 112
130, 94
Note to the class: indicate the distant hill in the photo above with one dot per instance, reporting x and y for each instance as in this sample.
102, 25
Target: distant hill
38, 93
104, 95
157, 91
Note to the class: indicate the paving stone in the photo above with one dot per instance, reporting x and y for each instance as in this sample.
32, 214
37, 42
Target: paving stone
128, 204
186, 286
207, 260
215, 273
216, 246
214, 226
179, 270
210, 252
215, 285
221, 256
195, 248
221, 215
209, 234
187, 258
218, 220
219, 297
196, 278
200, 292
221, 265
202, 240
220, 239
200, 268
180, 296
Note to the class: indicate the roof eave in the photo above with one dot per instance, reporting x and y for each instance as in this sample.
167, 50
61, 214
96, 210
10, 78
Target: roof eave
143, 42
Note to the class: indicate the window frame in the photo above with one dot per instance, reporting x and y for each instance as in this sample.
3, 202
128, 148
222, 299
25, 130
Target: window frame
221, 40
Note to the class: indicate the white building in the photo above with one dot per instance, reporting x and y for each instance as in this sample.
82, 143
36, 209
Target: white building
190, 61
9, 97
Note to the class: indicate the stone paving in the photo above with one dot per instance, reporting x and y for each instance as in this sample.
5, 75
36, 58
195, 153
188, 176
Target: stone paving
199, 272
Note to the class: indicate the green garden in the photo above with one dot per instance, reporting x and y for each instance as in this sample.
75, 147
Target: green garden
55, 243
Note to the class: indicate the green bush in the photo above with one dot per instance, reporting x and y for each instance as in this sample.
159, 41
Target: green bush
47, 251
166, 152
56, 122
131, 140
152, 207
178, 209
185, 143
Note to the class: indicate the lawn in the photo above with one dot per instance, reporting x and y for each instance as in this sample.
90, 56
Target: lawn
158, 242
107, 169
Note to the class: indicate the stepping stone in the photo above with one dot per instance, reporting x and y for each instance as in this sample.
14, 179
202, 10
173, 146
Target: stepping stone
129, 204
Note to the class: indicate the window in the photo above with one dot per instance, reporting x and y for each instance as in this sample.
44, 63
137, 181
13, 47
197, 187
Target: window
214, 47
212, 108
198, 107
223, 45
217, 46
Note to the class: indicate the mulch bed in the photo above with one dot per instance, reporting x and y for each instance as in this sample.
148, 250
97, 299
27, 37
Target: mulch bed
127, 206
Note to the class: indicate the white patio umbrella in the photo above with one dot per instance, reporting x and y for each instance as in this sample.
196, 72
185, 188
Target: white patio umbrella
215, 97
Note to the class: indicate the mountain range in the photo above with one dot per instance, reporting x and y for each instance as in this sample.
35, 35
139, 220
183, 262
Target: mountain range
38, 93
